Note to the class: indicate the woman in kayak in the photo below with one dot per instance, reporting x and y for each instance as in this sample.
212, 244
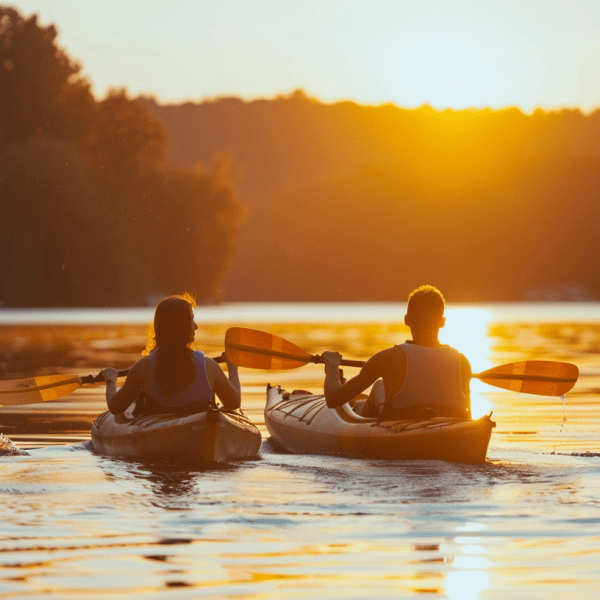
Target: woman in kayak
419, 378
173, 378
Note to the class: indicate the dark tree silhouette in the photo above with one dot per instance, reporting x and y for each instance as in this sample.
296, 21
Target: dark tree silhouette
41, 88
91, 215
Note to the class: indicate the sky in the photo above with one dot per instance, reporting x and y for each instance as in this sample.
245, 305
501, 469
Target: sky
445, 53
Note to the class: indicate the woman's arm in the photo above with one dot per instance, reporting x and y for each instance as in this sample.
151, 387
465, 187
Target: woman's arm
227, 390
233, 375
118, 400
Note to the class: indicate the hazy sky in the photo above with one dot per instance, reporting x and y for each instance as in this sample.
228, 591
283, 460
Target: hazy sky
448, 53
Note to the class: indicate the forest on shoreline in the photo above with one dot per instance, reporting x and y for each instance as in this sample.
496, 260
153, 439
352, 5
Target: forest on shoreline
351, 202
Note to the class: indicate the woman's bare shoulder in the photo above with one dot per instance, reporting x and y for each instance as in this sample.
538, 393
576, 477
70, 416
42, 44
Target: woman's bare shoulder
211, 364
141, 368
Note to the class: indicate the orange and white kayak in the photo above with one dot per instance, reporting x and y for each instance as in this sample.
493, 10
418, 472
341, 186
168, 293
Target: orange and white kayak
300, 422
200, 438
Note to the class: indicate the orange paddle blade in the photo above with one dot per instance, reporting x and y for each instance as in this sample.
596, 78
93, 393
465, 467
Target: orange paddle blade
46, 387
261, 350
37, 389
542, 377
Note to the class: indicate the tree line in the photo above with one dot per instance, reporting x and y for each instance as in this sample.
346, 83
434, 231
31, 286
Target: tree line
92, 214
351, 202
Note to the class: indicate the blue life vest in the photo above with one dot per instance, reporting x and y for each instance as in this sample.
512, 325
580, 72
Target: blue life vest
197, 397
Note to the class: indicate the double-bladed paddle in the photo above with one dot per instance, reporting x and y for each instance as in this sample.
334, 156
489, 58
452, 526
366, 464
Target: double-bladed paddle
261, 350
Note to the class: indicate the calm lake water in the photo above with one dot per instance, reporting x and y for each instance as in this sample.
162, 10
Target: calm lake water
523, 525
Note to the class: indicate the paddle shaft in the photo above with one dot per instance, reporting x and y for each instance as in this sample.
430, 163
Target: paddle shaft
305, 358
483, 375
99, 378
521, 377
40, 389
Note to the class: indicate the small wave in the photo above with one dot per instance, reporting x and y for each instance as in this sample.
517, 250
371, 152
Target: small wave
8, 448
587, 454
581, 454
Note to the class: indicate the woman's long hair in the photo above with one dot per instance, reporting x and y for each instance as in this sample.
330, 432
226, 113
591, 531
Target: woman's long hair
170, 337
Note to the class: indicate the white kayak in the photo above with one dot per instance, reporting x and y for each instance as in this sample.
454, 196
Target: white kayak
300, 422
200, 438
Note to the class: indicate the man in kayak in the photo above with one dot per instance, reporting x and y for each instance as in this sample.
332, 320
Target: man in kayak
417, 379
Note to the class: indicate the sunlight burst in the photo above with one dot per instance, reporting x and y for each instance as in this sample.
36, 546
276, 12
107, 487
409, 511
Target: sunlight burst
466, 330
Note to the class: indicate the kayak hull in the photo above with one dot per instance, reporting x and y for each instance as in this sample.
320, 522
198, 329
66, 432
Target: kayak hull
301, 423
202, 438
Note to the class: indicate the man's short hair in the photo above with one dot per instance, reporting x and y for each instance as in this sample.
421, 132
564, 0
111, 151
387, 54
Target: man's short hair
425, 305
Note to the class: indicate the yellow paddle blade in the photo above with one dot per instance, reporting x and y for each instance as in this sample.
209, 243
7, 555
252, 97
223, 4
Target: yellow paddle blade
37, 389
261, 350
542, 377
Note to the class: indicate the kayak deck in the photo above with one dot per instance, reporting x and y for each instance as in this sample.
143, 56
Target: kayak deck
300, 422
201, 438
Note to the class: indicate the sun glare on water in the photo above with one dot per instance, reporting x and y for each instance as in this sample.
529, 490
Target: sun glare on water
466, 330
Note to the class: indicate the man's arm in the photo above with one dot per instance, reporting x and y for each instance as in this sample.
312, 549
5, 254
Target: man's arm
338, 393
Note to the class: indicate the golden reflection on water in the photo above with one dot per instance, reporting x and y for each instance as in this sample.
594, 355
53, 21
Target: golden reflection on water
466, 584
470, 576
